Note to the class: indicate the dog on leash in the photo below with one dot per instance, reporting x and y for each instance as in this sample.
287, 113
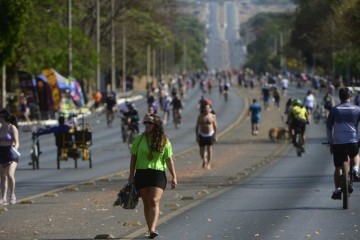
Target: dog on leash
278, 134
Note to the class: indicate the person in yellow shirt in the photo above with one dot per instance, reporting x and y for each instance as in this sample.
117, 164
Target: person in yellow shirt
298, 118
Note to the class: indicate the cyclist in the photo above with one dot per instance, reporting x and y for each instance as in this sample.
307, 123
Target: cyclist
298, 118
309, 102
97, 96
130, 117
177, 107
110, 107
60, 129
342, 134
328, 102
226, 89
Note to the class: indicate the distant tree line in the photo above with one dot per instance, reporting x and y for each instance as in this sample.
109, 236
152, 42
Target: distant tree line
322, 35
34, 35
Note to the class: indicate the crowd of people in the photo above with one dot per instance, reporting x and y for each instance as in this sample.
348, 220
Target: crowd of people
152, 152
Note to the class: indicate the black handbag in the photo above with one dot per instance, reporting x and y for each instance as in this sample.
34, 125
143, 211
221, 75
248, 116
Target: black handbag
128, 197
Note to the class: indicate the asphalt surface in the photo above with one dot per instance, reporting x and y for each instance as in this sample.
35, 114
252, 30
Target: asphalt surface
85, 210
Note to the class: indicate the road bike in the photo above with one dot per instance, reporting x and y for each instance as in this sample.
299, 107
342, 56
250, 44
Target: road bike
131, 134
177, 118
299, 144
35, 152
319, 113
346, 180
110, 115
226, 95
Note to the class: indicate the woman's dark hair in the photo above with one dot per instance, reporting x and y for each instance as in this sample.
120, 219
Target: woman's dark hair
159, 136
9, 117
344, 94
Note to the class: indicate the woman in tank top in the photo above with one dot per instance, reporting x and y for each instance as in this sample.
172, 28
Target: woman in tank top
9, 138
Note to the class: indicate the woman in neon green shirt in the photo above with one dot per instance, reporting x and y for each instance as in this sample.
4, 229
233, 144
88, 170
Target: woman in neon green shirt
151, 155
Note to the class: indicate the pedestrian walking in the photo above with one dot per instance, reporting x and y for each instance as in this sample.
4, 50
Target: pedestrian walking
205, 131
276, 96
254, 111
151, 155
266, 95
9, 140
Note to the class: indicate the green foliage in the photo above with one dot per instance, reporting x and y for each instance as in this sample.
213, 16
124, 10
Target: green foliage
13, 17
324, 28
267, 29
35, 35
190, 31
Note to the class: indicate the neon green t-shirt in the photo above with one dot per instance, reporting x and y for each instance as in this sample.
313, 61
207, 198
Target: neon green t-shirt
140, 148
299, 112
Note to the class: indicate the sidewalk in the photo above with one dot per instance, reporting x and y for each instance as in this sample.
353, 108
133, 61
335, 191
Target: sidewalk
121, 98
85, 211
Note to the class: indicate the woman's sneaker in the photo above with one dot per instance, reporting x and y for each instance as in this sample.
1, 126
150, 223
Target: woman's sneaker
154, 234
13, 199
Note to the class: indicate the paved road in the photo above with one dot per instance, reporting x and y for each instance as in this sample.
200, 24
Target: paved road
109, 154
290, 199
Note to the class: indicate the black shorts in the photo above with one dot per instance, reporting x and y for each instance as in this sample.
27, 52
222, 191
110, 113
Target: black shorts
206, 141
6, 156
298, 124
150, 178
342, 151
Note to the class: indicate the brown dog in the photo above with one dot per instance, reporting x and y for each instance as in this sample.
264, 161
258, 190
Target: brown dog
278, 134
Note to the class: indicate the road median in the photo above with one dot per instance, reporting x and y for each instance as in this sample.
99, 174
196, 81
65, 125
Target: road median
86, 211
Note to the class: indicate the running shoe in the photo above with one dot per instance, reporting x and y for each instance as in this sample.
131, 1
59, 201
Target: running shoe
154, 234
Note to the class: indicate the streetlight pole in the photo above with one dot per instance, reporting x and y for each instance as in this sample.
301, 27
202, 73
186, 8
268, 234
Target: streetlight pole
148, 62
113, 87
98, 83
3, 87
124, 59
70, 38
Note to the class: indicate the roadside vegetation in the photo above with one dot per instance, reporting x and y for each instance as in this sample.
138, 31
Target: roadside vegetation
322, 36
35, 35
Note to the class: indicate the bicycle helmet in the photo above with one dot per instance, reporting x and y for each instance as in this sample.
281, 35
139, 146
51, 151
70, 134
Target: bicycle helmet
296, 101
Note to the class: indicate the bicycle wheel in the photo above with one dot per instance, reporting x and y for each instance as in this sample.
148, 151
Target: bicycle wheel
317, 116
298, 145
345, 185
35, 156
131, 138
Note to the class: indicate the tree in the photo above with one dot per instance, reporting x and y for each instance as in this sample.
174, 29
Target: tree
13, 18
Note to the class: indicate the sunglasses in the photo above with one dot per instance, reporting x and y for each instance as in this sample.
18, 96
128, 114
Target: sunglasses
148, 123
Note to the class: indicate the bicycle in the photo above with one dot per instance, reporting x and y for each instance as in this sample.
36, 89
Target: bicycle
34, 152
319, 113
299, 144
110, 115
177, 118
346, 180
131, 134
226, 95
